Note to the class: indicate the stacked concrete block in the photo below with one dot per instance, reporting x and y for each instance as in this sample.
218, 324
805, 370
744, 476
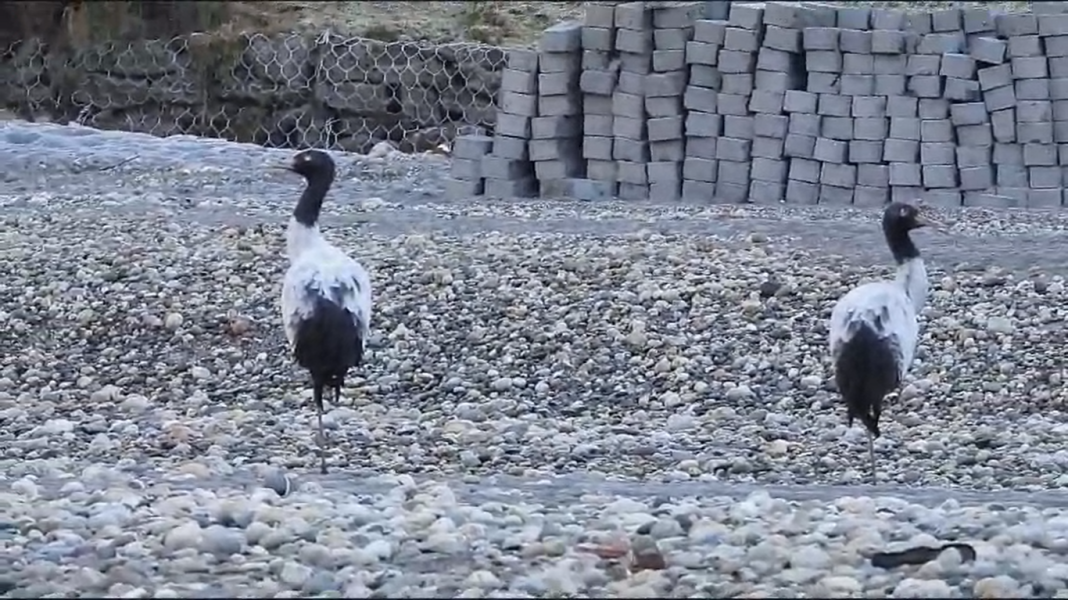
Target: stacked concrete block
777, 72
665, 87
556, 133
630, 143
704, 125
466, 176
600, 70
507, 170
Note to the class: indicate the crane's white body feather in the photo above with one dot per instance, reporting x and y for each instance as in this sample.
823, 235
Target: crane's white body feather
889, 308
319, 270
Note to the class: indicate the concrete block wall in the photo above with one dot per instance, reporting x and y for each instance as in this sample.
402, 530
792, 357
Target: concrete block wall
803, 104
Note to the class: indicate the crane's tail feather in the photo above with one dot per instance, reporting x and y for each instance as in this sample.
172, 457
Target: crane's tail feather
866, 370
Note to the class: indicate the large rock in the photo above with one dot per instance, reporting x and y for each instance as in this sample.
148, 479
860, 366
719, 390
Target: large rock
281, 90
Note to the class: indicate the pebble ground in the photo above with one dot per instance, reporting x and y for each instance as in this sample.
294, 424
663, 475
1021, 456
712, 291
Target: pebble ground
668, 362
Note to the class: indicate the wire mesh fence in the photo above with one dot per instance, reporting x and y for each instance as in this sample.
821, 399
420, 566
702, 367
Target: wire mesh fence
289, 91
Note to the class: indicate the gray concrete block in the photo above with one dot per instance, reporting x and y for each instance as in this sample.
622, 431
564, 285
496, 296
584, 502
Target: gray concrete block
631, 83
918, 22
1040, 155
837, 128
522, 59
664, 172
868, 106
887, 18
1056, 46
1024, 45
669, 60
923, 64
664, 107
733, 172
732, 104
968, 113
705, 76
781, 38
565, 36
665, 191
513, 125
799, 101
764, 101
905, 128
891, 85
1052, 25
633, 191
472, 146
830, 151
975, 135
939, 176
1058, 66
773, 126
772, 81
1034, 111
865, 151
858, 85
944, 198
870, 197
1032, 89
833, 105
589, 190
700, 99
803, 169
989, 50
854, 17
665, 84
632, 129
698, 190
672, 39
673, 15
961, 66
823, 61
510, 188
932, 130
746, 40
904, 151
976, 178
634, 42
1044, 177
510, 147
1016, 24
746, 16
906, 174
824, 83
560, 62
942, 43
1008, 154
596, 147
632, 172
558, 168
1045, 198
978, 20
805, 124
458, 189
925, 86
998, 76
767, 169
598, 60
737, 83
664, 128
778, 14
933, 108
733, 149
560, 105
732, 193
884, 41
901, 106
700, 124
593, 82
873, 175
799, 145
599, 15
870, 128
736, 61
832, 195
700, 53
1058, 88
858, 64
820, 38
667, 150
961, 90
633, 15
561, 148
767, 147
1029, 67
699, 169
854, 41
889, 65
523, 82
766, 192
938, 153
593, 104
802, 193
770, 59
1012, 176
999, 99
628, 105
710, 31
973, 156
702, 147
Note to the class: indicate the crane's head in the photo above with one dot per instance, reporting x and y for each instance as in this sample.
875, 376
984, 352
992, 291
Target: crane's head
312, 164
902, 217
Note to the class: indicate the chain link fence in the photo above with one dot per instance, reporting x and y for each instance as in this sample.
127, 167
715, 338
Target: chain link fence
287, 91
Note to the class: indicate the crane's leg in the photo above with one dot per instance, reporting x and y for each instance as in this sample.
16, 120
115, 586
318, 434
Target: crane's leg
871, 455
321, 440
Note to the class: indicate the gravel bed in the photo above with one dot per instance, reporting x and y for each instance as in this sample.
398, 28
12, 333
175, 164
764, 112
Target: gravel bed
147, 400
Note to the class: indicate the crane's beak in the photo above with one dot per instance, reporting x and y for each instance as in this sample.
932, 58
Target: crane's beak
286, 167
928, 221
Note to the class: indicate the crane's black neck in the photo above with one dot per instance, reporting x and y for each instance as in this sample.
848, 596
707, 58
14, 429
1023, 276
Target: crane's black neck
901, 245
311, 201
